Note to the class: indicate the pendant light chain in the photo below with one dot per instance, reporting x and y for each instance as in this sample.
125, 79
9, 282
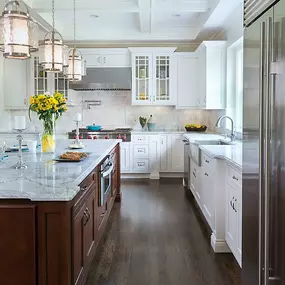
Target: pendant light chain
74, 23
53, 30
53, 17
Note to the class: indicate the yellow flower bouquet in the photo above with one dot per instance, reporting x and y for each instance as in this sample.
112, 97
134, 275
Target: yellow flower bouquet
49, 108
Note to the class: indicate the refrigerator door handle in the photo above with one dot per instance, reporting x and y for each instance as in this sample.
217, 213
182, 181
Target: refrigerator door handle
261, 148
269, 41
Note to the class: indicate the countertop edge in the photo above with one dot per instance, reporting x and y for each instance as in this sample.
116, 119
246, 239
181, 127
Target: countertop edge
226, 159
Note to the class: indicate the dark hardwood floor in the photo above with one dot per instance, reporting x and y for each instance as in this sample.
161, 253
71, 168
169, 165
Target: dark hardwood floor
157, 236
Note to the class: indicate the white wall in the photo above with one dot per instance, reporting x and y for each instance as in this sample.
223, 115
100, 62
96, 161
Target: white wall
233, 26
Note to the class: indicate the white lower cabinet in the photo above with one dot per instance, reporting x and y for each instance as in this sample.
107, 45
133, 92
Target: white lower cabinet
207, 189
153, 153
163, 153
175, 147
125, 157
234, 212
195, 181
217, 188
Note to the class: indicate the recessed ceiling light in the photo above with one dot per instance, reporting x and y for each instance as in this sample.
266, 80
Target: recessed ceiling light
94, 16
176, 15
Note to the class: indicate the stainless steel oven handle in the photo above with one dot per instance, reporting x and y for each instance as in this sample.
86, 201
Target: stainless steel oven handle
108, 172
261, 148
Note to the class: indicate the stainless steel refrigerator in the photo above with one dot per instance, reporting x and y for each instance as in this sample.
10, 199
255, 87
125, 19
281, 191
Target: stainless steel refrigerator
263, 215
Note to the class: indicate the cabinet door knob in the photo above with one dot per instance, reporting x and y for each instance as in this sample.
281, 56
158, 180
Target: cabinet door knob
85, 218
235, 178
84, 188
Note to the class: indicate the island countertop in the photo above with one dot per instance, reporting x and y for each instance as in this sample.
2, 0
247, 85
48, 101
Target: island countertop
47, 180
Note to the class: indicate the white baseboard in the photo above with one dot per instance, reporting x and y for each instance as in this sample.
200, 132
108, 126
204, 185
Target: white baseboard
154, 176
219, 246
171, 174
135, 176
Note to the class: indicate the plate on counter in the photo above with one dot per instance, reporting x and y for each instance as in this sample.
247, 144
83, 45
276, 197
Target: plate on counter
76, 146
72, 156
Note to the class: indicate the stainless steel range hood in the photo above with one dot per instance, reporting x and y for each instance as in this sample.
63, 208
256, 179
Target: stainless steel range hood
104, 79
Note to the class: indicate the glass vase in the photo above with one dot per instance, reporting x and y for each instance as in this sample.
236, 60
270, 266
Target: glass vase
48, 137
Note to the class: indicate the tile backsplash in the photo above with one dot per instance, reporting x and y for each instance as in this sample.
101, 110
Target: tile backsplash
116, 110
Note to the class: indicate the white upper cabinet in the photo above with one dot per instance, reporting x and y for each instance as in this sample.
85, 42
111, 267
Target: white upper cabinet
211, 75
107, 57
152, 76
15, 80
186, 86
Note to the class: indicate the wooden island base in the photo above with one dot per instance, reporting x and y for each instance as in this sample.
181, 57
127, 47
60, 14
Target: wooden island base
53, 243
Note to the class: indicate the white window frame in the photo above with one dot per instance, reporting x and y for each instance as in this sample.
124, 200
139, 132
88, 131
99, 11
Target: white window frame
234, 107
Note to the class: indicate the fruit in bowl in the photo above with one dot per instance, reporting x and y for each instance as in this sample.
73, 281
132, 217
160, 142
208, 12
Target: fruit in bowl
195, 128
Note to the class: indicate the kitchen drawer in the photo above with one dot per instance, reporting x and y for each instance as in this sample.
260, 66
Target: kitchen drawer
141, 165
141, 150
140, 139
234, 178
207, 161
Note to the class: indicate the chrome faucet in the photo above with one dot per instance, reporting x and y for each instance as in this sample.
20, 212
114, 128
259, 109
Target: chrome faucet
218, 125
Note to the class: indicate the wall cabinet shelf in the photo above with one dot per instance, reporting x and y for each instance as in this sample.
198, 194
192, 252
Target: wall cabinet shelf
107, 57
152, 76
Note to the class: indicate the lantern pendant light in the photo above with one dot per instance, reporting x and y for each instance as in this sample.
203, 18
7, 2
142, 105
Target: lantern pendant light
76, 64
51, 56
18, 32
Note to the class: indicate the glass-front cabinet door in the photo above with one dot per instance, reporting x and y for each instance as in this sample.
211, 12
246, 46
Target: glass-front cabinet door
142, 79
162, 79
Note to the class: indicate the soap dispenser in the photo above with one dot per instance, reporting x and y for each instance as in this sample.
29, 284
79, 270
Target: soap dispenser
151, 123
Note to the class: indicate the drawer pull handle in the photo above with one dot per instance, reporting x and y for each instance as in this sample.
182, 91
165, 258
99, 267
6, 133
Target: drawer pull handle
207, 161
141, 150
102, 215
86, 217
84, 188
206, 174
194, 174
140, 164
235, 178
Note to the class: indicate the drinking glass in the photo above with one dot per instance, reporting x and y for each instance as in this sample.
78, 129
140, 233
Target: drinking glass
2, 150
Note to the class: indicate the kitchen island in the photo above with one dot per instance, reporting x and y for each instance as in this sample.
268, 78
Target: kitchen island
53, 215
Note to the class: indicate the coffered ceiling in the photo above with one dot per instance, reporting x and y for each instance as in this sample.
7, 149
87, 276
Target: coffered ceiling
129, 20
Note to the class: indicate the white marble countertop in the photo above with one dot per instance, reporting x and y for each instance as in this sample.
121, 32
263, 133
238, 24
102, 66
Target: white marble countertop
230, 153
47, 180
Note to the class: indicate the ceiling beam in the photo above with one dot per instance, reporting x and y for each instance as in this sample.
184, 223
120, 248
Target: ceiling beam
144, 15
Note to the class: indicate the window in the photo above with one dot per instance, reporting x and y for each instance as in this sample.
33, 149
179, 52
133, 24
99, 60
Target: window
235, 84
44, 82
